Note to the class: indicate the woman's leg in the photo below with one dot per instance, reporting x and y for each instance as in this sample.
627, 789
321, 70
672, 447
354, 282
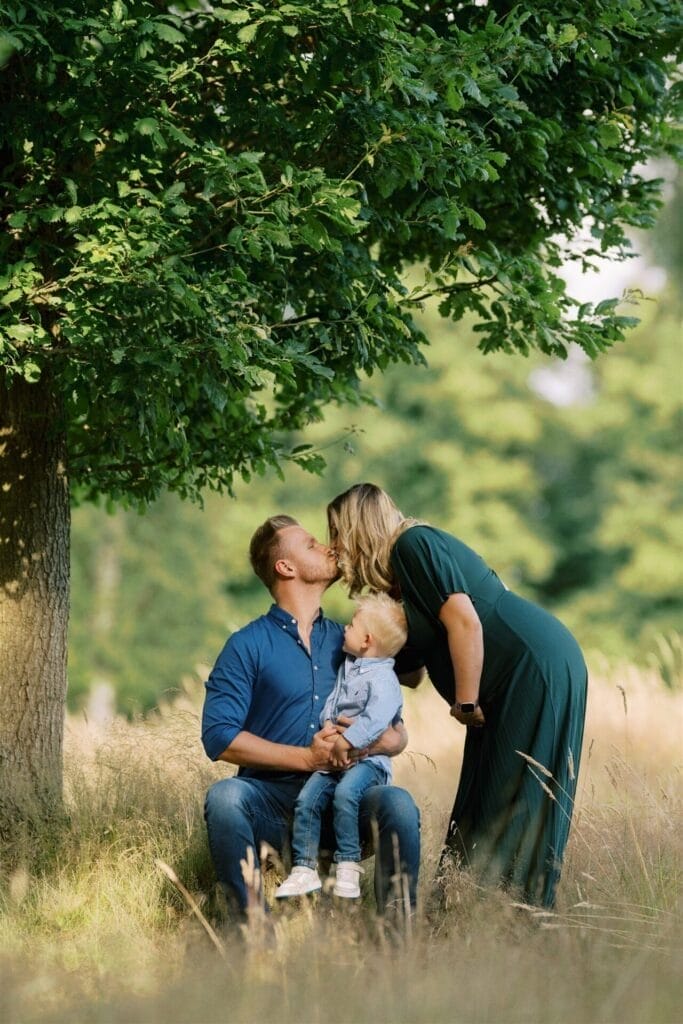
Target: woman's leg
511, 818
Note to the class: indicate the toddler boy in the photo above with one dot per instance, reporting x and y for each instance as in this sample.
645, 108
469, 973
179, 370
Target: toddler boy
367, 690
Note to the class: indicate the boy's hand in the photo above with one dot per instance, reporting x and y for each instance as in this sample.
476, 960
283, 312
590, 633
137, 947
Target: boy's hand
320, 751
340, 753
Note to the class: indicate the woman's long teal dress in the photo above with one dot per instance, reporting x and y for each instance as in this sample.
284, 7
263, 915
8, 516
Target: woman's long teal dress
514, 803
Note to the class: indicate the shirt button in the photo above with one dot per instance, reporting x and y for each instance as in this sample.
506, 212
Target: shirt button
312, 726
299, 642
315, 667
316, 697
293, 621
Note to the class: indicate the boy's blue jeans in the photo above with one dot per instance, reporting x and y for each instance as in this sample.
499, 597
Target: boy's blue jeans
342, 790
244, 812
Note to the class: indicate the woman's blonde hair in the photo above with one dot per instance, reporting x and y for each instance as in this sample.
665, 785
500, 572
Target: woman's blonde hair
386, 622
363, 525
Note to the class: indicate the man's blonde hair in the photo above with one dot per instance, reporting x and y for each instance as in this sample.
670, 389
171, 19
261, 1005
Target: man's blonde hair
363, 525
265, 549
385, 621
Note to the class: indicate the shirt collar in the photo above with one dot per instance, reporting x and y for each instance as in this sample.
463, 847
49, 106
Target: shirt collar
362, 665
284, 618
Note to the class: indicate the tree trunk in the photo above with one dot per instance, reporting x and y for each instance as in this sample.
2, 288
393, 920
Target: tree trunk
34, 601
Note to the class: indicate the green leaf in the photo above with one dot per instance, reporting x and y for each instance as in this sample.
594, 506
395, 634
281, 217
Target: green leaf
474, 218
20, 332
168, 33
9, 44
606, 306
451, 221
248, 33
30, 372
18, 219
146, 126
609, 134
568, 34
602, 46
73, 214
52, 214
251, 157
233, 17
454, 97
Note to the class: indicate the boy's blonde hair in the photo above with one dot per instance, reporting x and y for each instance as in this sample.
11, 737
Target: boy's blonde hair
386, 622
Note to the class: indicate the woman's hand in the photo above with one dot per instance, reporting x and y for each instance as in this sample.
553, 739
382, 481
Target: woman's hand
474, 718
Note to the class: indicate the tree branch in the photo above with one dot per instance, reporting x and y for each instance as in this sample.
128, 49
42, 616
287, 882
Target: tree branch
464, 286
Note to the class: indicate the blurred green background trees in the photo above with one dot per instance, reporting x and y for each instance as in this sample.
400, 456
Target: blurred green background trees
564, 476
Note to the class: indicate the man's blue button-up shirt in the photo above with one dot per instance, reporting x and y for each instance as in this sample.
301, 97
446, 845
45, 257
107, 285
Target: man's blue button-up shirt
266, 682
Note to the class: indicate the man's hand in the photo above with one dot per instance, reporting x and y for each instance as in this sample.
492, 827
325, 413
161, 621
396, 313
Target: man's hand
319, 754
340, 753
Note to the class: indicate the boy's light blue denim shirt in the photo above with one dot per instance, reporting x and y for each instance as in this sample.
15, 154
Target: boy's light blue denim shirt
367, 690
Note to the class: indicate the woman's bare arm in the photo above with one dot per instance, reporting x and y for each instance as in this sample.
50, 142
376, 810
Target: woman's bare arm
466, 646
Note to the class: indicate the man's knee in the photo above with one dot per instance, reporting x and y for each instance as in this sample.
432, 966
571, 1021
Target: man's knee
226, 801
391, 807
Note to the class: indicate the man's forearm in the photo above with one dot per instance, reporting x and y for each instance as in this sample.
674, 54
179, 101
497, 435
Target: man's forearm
250, 751
392, 741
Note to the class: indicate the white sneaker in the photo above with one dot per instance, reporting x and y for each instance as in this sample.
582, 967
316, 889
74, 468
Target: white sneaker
347, 879
300, 882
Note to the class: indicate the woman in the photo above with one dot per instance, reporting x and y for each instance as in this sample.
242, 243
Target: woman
510, 672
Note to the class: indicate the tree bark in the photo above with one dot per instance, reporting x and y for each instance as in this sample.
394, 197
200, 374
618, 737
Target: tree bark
34, 601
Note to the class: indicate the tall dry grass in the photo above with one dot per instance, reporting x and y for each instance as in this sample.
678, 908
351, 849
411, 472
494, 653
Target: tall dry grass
92, 930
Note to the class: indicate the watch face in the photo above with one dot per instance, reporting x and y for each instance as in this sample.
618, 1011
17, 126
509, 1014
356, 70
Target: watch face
467, 708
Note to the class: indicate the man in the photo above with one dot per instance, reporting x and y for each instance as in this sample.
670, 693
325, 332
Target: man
261, 712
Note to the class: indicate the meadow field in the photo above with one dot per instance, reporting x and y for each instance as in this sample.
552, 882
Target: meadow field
93, 930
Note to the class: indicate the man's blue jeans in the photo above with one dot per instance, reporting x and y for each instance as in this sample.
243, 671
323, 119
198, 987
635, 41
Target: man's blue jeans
343, 791
243, 813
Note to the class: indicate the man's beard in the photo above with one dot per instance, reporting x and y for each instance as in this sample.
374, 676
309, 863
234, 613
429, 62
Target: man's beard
321, 576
